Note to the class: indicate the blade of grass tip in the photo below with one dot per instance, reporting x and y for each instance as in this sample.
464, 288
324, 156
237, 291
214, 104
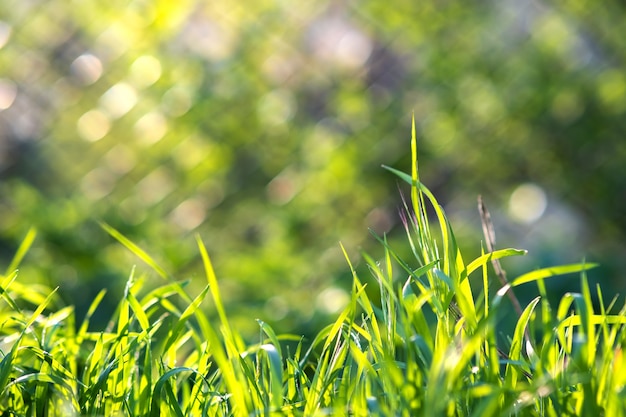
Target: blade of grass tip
546, 308
321, 336
359, 295
419, 190
336, 327
414, 168
498, 254
140, 253
267, 329
140, 314
123, 318
3, 291
417, 198
275, 365
378, 273
551, 272
92, 309
40, 308
186, 314
517, 342
22, 250
212, 280
564, 315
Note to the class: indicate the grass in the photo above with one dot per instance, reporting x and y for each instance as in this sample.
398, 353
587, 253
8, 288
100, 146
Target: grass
427, 346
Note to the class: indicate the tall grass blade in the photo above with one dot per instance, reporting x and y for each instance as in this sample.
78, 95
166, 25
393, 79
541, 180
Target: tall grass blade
140, 253
22, 250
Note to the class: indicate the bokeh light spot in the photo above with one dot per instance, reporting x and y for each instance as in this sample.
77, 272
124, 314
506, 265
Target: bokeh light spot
283, 187
441, 131
612, 90
145, 71
176, 101
353, 49
277, 107
209, 39
118, 100
276, 308
155, 186
150, 128
334, 40
527, 203
189, 152
120, 159
93, 125
379, 221
189, 214
5, 33
97, 183
114, 41
332, 300
87, 68
8, 93
278, 68
567, 106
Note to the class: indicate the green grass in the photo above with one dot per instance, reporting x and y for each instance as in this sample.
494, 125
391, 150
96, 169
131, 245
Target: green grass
425, 345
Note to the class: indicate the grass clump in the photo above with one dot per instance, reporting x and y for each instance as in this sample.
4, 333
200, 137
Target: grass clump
427, 346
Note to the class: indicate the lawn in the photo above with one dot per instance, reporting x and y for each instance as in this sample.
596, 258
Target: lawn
419, 337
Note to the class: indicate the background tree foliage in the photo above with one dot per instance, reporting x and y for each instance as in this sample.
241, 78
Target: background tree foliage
262, 126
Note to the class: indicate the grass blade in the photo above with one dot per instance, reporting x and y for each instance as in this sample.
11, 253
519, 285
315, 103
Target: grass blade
140, 253
22, 250
551, 272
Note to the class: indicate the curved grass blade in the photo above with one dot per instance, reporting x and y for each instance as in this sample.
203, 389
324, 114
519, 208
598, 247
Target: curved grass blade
515, 352
552, 272
5, 295
276, 371
140, 253
22, 250
155, 408
488, 257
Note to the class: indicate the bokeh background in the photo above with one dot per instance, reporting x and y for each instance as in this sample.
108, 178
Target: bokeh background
262, 126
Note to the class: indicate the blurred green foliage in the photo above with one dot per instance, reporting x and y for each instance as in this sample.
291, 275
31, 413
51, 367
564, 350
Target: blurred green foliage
262, 126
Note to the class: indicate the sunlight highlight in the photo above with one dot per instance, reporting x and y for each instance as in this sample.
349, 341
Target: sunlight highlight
527, 203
